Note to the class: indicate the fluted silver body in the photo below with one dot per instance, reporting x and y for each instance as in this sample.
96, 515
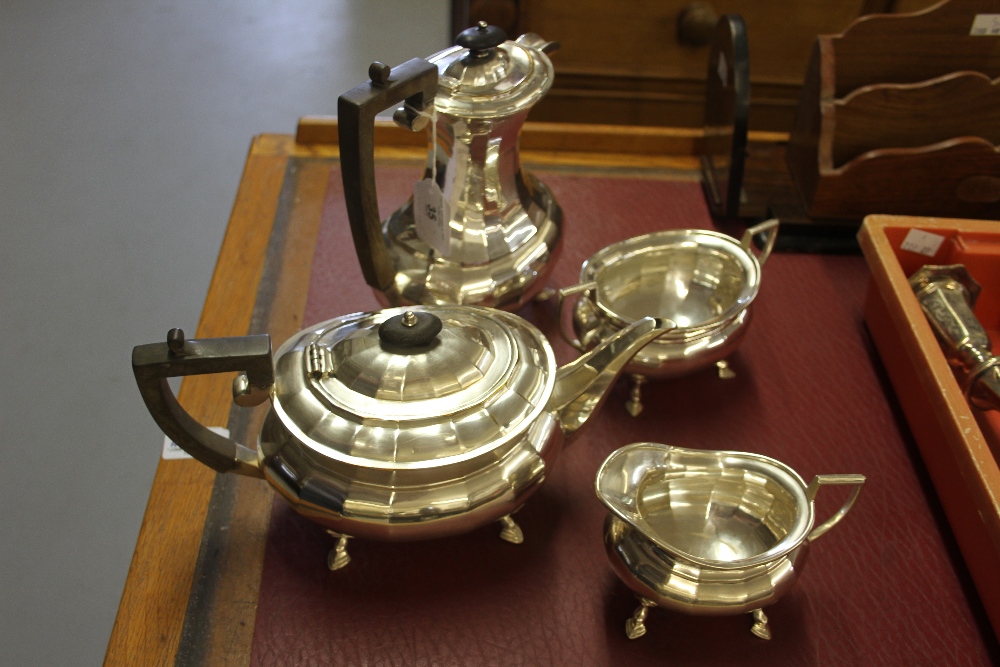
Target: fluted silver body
708, 533
504, 225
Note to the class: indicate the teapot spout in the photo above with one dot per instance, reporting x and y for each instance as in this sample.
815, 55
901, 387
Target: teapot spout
582, 385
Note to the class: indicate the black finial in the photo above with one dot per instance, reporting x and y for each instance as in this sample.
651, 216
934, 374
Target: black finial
379, 73
482, 39
411, 329
175, 340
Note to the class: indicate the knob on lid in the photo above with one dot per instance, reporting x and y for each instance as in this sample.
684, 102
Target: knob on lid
481, 40
410, 329
487, 76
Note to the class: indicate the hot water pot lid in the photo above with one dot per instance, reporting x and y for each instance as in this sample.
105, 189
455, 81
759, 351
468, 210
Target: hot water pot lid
488, 76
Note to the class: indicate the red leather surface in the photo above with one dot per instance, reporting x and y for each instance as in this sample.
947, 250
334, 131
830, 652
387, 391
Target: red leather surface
882, 587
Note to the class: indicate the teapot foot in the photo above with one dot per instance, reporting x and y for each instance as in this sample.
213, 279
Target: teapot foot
760, 627
725, 372
635, 627
511, 532
338, 557
634, 403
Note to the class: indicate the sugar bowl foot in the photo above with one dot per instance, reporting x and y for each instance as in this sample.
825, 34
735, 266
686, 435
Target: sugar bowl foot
510, 531
760, 627
338, 556
545, 294
725, 372
635, 627
634, 403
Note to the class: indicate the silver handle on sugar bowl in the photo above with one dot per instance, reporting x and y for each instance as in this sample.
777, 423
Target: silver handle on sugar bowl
561, 297
770, 229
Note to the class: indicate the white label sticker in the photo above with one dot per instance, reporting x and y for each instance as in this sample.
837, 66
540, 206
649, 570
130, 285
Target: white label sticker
172, 451
922, 243
986, 24
723, 69
431, 215
458, 166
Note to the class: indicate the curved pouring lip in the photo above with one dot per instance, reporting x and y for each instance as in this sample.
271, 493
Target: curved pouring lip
621, 478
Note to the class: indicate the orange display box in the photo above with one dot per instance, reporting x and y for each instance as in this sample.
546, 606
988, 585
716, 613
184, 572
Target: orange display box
959, 444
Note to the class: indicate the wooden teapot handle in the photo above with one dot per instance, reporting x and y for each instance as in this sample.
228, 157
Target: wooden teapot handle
414, 82
152, 364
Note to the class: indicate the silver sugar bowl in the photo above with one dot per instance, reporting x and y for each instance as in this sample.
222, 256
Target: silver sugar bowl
703, 280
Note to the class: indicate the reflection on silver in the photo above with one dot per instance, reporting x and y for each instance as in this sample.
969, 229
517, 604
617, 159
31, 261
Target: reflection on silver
708, 533
702, 280
505, 224
390, 435
399, 445
947, 294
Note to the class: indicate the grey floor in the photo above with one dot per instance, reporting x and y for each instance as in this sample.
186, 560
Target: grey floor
123, 131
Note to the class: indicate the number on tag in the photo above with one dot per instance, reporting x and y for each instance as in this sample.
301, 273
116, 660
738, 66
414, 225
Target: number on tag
986, 24
922, 243
431, 216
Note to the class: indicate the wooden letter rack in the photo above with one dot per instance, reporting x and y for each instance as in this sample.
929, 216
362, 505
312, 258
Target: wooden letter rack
901, 114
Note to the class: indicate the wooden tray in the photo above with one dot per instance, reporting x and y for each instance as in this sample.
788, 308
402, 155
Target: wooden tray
958, 444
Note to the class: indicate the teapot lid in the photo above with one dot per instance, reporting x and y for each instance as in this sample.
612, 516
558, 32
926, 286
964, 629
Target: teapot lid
352, 389
487, 76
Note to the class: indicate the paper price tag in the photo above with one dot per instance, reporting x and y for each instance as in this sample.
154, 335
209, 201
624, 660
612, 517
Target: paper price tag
985, 24
922, 243
172, 452
431, 216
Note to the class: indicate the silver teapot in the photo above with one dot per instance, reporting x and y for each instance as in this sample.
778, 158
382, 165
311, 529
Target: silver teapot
397, 424
479, 230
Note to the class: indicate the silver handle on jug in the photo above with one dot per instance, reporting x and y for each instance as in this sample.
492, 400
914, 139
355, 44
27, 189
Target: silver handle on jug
821, 480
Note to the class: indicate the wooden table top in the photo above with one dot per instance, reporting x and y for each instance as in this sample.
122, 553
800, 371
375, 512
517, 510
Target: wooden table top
194, 586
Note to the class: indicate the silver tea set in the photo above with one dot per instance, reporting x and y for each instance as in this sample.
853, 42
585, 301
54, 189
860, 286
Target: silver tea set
444, 412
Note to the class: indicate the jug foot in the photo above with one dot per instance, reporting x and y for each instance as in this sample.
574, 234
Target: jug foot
725, 372
545, 294
635, 627
511, 532
634, 403
338, 556
760, 627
